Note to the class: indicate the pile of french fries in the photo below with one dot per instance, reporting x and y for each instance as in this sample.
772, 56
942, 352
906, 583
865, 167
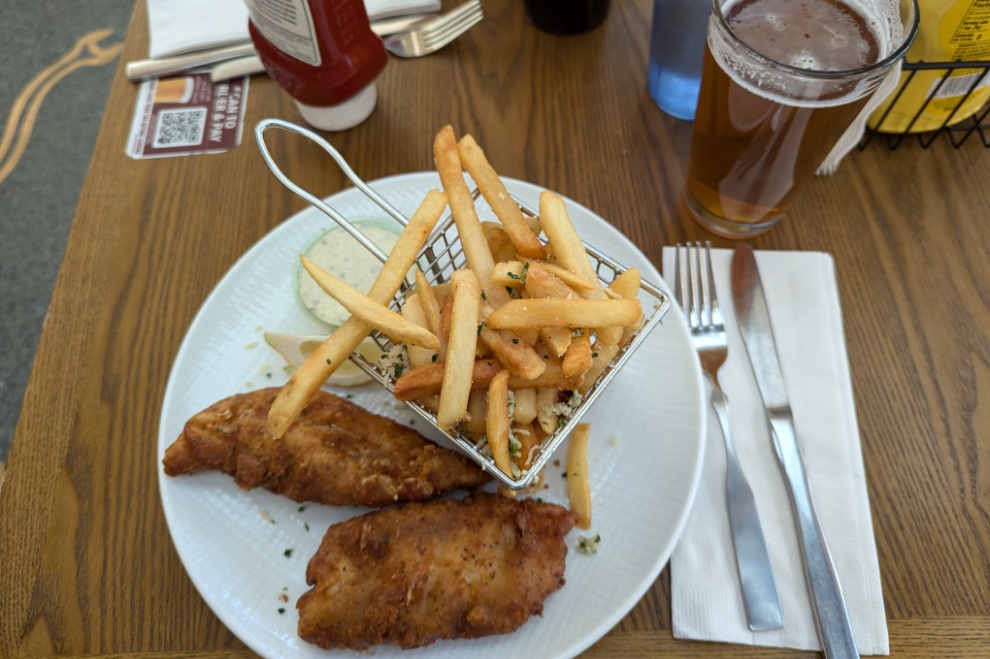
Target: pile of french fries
503, 352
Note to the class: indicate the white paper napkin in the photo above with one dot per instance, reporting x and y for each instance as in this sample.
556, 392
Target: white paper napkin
182, 26
804, 307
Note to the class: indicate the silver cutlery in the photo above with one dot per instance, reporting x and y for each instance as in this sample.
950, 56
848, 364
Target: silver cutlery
164, 66
247, 59
829, 608
434, 35
694, 288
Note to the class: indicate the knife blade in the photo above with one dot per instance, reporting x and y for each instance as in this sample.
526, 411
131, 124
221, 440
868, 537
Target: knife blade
753, 317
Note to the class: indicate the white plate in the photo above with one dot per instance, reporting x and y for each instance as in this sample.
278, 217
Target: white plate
642, 486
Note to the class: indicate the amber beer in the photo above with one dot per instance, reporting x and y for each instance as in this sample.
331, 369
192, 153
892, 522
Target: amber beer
763, 125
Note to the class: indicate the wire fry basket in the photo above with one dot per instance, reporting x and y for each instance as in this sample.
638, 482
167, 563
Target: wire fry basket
443, 254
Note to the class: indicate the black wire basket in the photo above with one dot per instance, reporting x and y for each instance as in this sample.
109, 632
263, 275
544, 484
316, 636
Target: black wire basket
957, 132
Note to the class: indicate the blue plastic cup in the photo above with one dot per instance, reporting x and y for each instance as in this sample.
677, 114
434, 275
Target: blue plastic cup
677, 48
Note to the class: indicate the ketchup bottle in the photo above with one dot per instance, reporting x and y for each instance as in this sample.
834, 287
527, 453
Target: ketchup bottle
323, 53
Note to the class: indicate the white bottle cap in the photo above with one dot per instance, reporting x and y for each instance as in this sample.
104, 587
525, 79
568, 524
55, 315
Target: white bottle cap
342, 116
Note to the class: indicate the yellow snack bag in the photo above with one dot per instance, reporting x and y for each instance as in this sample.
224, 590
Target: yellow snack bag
950, 31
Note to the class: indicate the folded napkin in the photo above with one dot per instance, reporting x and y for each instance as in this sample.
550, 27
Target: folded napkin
804, 306
182, 26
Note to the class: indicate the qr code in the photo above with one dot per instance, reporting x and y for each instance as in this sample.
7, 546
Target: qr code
184, 127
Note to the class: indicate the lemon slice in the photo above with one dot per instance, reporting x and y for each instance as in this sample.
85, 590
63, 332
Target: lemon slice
297, 347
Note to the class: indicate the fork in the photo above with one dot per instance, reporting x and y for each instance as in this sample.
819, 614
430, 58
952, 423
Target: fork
433, 35
696, 295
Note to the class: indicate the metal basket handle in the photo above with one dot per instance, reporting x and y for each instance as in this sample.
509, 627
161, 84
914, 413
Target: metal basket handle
259, 134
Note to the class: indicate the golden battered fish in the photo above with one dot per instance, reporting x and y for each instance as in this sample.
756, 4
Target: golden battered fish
335, 453
438, 570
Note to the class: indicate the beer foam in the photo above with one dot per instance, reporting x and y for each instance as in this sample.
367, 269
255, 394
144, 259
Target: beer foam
882, 18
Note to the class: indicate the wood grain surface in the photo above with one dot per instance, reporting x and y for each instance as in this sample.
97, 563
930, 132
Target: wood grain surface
87, 567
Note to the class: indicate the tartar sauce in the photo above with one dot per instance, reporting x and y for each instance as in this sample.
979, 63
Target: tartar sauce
341, 255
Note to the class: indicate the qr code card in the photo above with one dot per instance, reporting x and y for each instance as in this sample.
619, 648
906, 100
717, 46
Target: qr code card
187, 114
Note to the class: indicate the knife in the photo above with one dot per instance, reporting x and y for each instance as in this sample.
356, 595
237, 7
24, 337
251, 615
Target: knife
829, 609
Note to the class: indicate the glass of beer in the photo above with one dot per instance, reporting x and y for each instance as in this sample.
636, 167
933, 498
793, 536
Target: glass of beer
782, 80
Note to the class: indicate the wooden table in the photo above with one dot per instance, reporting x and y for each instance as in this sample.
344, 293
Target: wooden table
86, 564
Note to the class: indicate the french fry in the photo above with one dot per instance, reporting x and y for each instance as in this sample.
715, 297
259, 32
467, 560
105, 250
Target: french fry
545, 399
476, 251
601, 356
386, 321
541, 283
511, 274
565, 313
627, 284
477, 411
564, 275
552, 378
527, 437
441, 291
578, 489
445, 312
319, 366
558, 339
431, 312
514, 353
497, 421
571, 254
530, 336
456, 387
627, 333
525, 409
535, 226
494, 192
412, 310
566, 243
497, 240
577, 360
425, 381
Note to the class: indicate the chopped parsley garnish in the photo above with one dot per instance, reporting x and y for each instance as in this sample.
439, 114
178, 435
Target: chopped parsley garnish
287, 553
349, 396
509, 289
285, 588
564, 475
480, 327
577, 332
594, 354
513, 275
561, 422
435, 357
302, 508
512, 449
398, 370
515, 340
483, 296
306, 525
328, 361
268, 375
281, 611
539, 500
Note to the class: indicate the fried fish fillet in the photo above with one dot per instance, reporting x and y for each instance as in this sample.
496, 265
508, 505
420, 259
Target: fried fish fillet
336, 453
438, 570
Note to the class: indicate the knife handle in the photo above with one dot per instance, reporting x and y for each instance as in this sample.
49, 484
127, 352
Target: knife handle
759, 589
829, 608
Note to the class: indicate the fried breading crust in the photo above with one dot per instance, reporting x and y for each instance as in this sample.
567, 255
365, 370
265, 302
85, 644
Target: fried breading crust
439, 570
335, 453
